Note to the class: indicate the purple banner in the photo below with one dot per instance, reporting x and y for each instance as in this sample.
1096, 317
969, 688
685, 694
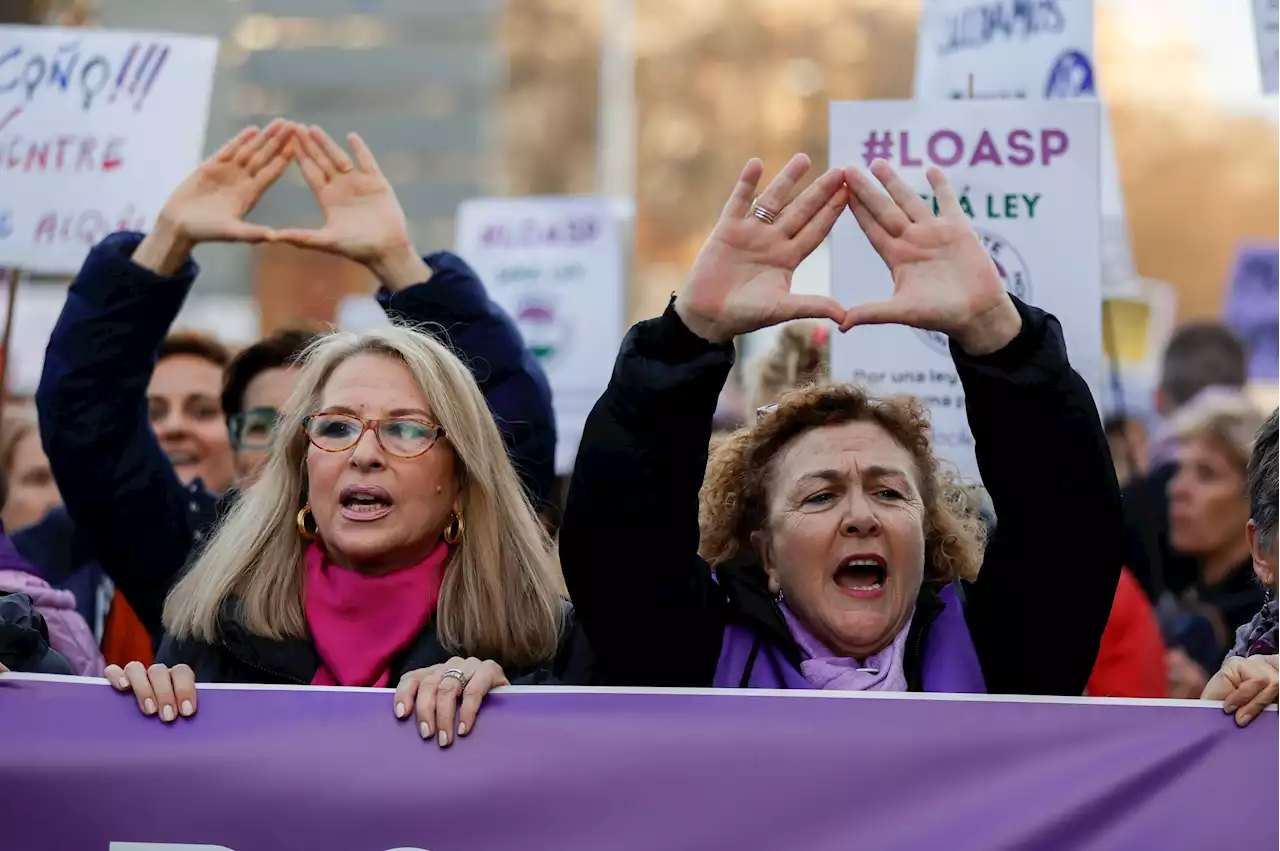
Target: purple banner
1253, 308
269, 770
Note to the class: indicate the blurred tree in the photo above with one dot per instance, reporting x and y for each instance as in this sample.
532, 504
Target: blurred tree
549, 106
720, 81
717, 81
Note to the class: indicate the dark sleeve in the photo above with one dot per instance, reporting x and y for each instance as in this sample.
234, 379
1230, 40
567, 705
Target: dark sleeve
646, 602
1041, 601
128, 505
487, 340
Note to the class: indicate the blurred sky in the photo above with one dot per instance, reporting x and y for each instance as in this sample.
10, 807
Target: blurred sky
1222, 33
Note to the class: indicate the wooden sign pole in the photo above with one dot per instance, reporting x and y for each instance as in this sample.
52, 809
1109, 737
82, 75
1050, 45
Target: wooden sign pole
13, 276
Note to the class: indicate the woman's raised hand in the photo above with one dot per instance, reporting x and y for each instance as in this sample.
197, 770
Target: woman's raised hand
210, 205
432, 695
741, 281
1246, 686
160, 690
363, 220
943, 278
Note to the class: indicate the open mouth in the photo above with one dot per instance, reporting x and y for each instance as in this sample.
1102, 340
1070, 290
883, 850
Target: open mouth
862, 575
183, 459
365, 503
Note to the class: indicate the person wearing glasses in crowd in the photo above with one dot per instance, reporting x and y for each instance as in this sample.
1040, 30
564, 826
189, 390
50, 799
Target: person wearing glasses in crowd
834, 552
256, 384
138, 517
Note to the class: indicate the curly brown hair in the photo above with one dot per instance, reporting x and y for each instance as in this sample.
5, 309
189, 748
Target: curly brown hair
733, 502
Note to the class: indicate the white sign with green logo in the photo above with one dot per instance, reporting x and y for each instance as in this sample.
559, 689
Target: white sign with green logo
554, 264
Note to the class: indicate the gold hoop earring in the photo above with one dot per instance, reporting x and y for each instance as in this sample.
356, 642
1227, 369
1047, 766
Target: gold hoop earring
453, 532
303, 532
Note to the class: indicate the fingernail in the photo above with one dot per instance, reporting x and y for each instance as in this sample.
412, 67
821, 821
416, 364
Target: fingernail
123, 682
149, 707
1228, 708
425, 728
399, 710
443, 739
167, 713
462, 728
187, 709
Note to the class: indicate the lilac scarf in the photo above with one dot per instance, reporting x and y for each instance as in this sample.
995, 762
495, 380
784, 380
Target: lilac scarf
1258, 636
823, 669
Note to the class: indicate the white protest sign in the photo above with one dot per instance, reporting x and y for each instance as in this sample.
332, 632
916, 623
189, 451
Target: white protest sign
1027, 174
96, 129
1026, 50
1266, 24
555, 265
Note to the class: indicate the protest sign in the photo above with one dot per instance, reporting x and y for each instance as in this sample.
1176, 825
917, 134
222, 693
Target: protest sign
1253, 307
96, 129
1027, 174
577, 769
1015, 49
555, 265
1266, 26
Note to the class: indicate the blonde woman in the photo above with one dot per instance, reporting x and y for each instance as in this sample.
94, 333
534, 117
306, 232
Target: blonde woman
387, 542
1208, 506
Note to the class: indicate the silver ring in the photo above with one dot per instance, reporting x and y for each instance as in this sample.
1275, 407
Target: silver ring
457, 675
763, 215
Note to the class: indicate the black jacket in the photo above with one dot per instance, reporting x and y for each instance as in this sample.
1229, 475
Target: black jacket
655, 616
239, 656
24, 638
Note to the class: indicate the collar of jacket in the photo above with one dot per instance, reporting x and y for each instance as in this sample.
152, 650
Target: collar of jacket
746, 589
294, 659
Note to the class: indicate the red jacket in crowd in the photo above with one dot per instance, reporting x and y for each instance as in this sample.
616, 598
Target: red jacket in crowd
1131, 657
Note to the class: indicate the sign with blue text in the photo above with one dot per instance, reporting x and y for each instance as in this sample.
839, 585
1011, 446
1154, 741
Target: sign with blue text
96, 129
1041, 50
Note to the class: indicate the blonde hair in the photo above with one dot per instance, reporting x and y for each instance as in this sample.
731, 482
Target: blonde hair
799, 357
500, 596
733, 502
1227, 418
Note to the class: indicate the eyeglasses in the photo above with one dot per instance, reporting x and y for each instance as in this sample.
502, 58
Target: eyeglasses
403, 438
252, 429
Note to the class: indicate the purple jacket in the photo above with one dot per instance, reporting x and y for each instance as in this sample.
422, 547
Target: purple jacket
949, 663
68, 632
